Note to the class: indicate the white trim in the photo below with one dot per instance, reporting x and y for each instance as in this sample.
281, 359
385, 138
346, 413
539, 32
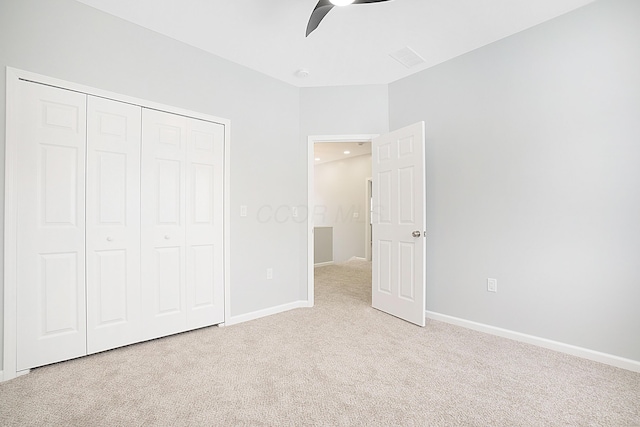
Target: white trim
234, 320
323, 264
312, 139
10, 225
227, 221
10, 202
585, 353
368, 191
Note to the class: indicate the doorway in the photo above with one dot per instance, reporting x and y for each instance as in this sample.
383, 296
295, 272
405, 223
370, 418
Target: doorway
399, 226
312, 140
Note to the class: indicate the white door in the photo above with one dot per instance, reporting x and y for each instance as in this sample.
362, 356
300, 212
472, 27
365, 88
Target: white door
399, 220
51, 324
163, 207
205, 251
113, 224
182, 234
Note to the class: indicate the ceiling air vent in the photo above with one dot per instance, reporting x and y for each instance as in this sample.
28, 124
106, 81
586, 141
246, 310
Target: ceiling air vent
407, 57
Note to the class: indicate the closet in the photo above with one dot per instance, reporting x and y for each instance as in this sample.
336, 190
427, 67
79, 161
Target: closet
119, 224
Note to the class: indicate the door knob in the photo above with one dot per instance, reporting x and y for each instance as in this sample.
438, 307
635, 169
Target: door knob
166, 237
109, 239
416, 234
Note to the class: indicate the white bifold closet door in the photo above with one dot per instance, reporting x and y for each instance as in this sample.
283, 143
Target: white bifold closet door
181, 240
113, 224
51, 226
119, 224
205, 229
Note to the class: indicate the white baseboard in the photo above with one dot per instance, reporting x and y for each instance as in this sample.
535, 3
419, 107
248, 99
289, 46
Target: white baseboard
585, 353
322, 264
266, 312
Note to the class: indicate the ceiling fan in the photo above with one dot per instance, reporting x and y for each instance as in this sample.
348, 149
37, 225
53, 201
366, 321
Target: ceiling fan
324, 6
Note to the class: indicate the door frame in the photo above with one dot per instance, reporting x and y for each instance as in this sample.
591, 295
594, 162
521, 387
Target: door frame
13, 77
368, 234
311, 140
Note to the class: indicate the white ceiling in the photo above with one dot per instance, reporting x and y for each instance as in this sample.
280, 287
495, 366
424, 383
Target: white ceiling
325, 152
352, 44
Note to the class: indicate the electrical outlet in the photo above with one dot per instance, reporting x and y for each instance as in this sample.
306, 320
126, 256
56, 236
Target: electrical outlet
269, 273
492, 285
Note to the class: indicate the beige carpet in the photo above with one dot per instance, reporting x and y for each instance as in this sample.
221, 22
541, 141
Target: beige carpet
340, 363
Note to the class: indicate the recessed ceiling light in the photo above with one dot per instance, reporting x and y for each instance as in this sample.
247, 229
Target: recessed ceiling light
347, 152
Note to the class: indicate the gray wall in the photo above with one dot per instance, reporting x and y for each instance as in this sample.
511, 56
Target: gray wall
71, 41
322, 245
344, 110
340, 191
533, 178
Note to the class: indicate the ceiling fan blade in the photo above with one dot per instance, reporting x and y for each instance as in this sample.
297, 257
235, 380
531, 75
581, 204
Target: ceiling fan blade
322, 8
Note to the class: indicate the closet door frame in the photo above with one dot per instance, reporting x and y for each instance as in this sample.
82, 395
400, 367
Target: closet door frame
13, 78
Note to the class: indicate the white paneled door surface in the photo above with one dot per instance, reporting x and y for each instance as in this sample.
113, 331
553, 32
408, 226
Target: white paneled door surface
182, 253
399, 220
51, 228
113, 224
204, 218
163, 204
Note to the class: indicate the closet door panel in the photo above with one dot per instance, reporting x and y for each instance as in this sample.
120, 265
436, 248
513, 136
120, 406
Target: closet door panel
51, 307
163, 206
205, 274
113, 224
168, 262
